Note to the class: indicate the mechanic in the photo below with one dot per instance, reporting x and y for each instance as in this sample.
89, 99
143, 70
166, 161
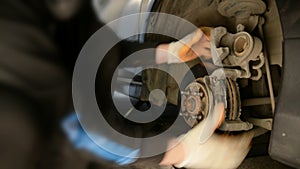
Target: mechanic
39, 42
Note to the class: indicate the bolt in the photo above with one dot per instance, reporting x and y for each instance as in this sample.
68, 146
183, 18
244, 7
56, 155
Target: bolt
184, 114
200, 117
194, 117
185, 92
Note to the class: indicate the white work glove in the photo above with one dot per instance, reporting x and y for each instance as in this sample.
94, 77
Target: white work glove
205, 149
190, 47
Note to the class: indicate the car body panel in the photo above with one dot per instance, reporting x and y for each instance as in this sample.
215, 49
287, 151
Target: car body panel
285, 143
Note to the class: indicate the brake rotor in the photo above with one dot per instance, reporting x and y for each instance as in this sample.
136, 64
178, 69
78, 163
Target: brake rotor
233, 100
194, 102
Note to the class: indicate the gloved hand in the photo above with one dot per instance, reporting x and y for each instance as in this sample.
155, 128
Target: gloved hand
199, 149
190, 47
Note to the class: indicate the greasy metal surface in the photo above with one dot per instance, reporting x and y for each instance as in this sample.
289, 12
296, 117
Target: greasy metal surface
241, 8
244, 11
233, 111
237, 49
233, 100
200, 13
235, 125
194, 102
267, 66
264, 123
257, 67
200, 96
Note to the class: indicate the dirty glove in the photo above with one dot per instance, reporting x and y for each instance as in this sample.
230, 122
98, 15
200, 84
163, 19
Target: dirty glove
190, 47
202, 149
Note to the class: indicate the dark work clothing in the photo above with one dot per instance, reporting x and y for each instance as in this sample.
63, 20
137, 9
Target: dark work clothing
19, 138
125, 126
38, 53
31, 12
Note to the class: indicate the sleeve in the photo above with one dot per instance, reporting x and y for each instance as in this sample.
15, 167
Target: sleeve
81, 140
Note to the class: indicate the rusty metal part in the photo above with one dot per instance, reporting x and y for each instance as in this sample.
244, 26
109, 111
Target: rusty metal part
199, 97
264, 123
240, 45
232, 50
260, 58
267, 66
256, 101
250, 22
233, 110
243, 11
241, 8
243, 48
235, 125
257, 67
194, 102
